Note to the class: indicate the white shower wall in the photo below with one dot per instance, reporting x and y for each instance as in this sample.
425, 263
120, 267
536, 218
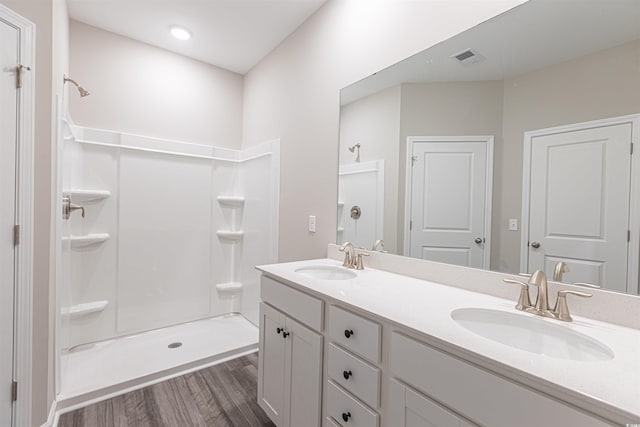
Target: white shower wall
164, 262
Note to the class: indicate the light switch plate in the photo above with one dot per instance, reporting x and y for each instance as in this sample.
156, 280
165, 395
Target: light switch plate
513, 224
312, 223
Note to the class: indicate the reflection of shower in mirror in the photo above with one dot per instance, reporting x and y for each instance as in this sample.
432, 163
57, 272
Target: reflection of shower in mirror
356, 148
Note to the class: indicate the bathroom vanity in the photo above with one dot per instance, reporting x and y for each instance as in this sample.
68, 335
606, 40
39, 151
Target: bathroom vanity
372, 348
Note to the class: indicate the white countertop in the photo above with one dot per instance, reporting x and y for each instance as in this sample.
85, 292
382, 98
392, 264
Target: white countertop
608, 388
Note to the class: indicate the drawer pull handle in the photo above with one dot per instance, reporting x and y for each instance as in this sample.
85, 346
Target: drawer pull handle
346, 374
279, 330
346, 416
348, 333
285, 334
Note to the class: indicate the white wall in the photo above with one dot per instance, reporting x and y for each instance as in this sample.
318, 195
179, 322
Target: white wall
140, 89
294, 94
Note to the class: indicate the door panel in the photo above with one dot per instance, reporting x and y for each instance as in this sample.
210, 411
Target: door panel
579, 204
448, 196
304, 379
9, 38
271, 381
412, 409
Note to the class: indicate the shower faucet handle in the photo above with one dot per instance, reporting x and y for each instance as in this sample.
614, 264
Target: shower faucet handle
68, 207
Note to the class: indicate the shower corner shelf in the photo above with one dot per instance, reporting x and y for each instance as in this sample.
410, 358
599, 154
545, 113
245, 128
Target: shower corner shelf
231, 201
230, 236
86, 240
340, 204
340, 229
81, 310
229, 287
84, 196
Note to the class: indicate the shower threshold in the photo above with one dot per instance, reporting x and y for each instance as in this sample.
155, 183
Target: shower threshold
95, 372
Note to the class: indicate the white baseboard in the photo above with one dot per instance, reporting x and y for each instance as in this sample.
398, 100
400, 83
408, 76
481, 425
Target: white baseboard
52, 419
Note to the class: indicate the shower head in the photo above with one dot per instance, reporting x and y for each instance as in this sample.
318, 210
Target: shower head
83, 91
353, 147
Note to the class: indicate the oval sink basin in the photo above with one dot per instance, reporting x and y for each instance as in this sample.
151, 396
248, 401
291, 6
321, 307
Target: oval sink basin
326, 272
531, 334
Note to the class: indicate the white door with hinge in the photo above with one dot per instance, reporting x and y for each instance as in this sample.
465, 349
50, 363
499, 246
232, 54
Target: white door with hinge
9, 58
449, 182
579, 202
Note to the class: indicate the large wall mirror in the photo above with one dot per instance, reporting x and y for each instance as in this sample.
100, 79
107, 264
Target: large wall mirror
507, 147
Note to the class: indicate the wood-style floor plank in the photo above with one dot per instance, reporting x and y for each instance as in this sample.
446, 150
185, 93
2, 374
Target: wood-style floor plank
220, 396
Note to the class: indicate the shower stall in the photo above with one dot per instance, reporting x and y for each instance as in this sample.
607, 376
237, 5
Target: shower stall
158, 243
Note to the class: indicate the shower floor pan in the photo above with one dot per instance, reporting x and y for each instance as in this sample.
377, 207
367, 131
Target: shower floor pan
98, 371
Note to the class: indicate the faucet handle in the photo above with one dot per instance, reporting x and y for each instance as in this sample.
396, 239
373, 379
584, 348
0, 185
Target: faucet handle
562, 309
523, 301
359, 262
587, 285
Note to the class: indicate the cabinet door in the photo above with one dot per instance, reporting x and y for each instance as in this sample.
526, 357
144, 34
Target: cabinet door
411, 409
303, 376
271, 364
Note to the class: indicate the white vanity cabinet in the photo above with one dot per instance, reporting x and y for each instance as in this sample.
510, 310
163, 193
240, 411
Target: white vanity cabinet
290, 358
375, 373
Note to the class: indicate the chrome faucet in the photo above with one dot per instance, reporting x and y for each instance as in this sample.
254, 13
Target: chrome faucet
349, 255
378, 243
558, 272
541, 307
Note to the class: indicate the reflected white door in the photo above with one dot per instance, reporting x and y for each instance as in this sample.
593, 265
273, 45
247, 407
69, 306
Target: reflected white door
450, 194
9, 50
579, 204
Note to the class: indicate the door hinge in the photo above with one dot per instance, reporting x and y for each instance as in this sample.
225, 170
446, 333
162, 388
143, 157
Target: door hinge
14, 391
632, 148
414, 159
628, 235
410, 225
19, 70
16, 235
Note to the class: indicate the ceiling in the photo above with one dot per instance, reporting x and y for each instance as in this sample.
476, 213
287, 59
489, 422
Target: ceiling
530, 37
231, 34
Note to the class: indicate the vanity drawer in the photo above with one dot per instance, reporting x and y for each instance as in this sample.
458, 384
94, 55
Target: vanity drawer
341, 406
296, 304
361, 379
475, 393
360, 335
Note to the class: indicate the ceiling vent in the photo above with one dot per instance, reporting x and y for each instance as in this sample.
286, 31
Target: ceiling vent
468, 57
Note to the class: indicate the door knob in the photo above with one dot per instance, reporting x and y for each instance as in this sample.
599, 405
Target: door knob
535, 245
479, 240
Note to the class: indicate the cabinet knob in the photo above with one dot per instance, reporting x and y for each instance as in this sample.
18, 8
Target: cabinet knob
285, 334
348, 333
346, 374
346, 416
279, 330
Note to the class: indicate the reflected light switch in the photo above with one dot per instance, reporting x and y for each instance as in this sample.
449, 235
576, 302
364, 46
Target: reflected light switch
312, 223
513, 224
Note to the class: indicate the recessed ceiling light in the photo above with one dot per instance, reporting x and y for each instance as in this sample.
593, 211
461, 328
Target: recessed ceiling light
180, 33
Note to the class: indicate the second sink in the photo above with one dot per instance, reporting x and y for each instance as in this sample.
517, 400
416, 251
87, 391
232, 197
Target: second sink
531, 334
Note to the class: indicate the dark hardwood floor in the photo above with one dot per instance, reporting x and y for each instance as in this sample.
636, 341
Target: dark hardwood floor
222, 396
